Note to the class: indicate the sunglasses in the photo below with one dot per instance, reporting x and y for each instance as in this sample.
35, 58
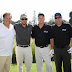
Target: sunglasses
24, 19
57, 17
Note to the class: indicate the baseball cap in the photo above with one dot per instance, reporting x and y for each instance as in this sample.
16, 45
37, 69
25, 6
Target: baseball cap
58, 14
23, 15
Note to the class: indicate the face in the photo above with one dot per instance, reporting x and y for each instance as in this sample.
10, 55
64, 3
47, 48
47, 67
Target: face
41, 19
58, 19
24, 21
7, 19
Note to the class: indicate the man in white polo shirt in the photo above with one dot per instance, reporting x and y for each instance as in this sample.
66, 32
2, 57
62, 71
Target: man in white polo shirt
6, 42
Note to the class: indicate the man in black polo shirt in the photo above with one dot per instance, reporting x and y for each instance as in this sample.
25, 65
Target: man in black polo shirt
62, 34
23, 49
42, 35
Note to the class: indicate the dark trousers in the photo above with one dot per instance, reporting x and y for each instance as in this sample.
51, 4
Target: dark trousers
61, 55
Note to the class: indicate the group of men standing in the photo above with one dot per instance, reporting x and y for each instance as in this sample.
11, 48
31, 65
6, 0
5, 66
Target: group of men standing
58, 35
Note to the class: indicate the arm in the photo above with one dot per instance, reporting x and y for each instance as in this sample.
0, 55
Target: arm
51, 53
71, 42
70, 50
52, 43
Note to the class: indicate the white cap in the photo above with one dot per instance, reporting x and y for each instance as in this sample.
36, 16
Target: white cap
23, 15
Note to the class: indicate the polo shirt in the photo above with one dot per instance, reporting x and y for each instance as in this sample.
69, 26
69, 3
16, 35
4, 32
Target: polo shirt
62, 35
23, 34
6, 39
42, 36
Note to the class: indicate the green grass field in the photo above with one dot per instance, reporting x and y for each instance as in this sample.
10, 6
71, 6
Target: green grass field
14, 67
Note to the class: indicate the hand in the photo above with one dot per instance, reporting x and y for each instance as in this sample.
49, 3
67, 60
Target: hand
51, 53
70, 50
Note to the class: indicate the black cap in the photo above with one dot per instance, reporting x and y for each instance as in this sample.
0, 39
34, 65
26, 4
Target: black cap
58, 14
40, 14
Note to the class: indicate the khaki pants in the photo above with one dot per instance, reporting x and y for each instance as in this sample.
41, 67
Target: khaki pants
5, 62
24, 54
43, 54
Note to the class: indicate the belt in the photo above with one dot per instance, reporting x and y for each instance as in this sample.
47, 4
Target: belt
23, 45
62, 46
42, 46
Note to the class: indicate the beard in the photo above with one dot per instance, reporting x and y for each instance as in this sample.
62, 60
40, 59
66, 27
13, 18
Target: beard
24, 23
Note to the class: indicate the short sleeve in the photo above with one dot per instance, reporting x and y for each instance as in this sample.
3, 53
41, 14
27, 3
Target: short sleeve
14, 26
51, 32
70, 31
33, 32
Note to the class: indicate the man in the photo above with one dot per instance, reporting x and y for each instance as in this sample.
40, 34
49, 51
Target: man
62, 34
6, 42
42, 35
23, 49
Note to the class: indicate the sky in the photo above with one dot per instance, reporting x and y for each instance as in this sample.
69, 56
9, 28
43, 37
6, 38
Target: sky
48, 7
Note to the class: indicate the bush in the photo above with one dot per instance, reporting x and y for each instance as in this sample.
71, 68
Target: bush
14, 55
32, 44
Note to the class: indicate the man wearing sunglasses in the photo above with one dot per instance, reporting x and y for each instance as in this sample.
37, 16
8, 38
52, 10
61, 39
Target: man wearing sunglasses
62, 33
23, 49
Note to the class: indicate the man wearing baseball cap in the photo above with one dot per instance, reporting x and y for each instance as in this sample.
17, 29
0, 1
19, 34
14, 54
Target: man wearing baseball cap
62, 33
23, 49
